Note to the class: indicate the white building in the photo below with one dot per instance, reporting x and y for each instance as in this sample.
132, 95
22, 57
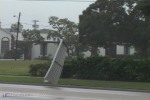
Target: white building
49, 48
5, 41
120, 50
37, 50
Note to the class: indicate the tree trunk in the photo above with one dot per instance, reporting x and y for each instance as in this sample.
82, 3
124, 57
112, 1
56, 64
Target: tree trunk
126, 49
144, 52
94, 51
110, 51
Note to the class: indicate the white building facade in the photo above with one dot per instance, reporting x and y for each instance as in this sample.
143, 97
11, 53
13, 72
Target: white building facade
5, 42
50, 46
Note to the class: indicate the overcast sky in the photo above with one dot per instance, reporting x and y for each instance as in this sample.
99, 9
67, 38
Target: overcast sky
39, 10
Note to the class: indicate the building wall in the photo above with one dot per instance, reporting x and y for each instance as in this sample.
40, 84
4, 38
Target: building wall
119, 51
35, 51
101, 52
6, 35
51, 49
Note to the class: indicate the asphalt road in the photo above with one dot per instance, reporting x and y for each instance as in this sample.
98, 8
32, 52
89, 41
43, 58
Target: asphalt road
30, 92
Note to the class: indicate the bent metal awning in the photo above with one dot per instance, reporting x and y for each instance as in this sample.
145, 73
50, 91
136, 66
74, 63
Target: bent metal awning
54, 72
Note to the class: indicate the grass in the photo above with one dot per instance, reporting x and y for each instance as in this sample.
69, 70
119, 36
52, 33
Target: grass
77, 82
17, 71
19, 67
21, 79
106, 84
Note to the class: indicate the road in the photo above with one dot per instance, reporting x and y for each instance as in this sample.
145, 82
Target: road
30, 92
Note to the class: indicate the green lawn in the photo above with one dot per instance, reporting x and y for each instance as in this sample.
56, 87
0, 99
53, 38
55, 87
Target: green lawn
20, 79
10, 69
19, 67
106, 84
77, 82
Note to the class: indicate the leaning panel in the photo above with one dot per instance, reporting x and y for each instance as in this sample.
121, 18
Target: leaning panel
54, 72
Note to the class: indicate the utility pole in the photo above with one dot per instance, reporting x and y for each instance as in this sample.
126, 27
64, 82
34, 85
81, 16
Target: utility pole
18, 24
35, 26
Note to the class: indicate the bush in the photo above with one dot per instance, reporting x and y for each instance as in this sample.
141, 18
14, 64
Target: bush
101, 68
69, 69
94, 68
38, 69
44, 57
11, 54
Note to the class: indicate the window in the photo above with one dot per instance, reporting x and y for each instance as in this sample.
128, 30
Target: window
43, 49
4, 44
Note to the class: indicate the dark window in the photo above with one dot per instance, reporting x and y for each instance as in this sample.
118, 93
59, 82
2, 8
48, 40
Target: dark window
5, 45
43, 49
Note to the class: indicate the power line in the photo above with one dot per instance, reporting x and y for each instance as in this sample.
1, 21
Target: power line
63, 0
28, 24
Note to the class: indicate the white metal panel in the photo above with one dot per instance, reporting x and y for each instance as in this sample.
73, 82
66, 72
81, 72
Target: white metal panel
54, 72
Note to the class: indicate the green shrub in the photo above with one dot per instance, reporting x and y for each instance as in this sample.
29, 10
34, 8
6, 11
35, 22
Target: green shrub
101, 68
44, 57
11, 54
69, 69
94, 68
38, 69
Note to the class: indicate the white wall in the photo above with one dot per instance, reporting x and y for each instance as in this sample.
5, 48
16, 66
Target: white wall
119, 51
132, 50
5, 34
51, 49
87, 54
101, 53
35, 51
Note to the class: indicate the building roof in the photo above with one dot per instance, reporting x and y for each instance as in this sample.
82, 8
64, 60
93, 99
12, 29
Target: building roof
43, 33
6, 31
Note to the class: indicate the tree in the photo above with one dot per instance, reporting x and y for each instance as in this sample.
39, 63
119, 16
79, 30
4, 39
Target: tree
144, 42
64, 29
30, 37
96, 27
108, 22
14, 27
144, 6
135, 30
